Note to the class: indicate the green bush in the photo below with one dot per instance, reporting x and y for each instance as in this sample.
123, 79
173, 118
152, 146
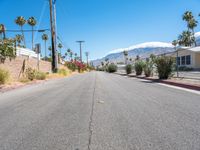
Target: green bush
30, 73
139, 67
129, 68
71, 66
148, 69
62, 72
164, 66
112, 68
4, 76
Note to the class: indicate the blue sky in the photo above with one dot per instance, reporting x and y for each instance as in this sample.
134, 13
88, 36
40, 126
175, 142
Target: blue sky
104, 24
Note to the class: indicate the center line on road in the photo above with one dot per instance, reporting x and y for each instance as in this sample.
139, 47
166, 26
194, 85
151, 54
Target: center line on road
91, 116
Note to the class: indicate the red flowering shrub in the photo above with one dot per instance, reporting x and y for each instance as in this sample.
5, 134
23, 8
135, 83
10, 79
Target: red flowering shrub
73, 65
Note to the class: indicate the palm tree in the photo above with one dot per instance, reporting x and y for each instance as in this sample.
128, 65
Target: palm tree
32, 22
60, 47
45, 38
191, 25
2, 31
125, 56
187, 16
19, 39
75, 56
50, 49
175, 43
87, 55
186, 39
71, 55
21, 21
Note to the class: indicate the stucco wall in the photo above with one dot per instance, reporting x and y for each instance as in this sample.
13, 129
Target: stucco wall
15, 66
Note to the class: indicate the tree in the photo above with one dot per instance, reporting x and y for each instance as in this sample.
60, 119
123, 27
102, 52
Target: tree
32, 22
87, 55
71, 55
60, 47
186, 39
45, 38
21, 21
19, 39
175, 43
125, 56
2, 31
7, 50
191, 24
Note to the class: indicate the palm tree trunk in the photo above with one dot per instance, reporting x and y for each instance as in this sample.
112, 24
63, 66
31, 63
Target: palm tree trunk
32, 37
45, 50
23, 36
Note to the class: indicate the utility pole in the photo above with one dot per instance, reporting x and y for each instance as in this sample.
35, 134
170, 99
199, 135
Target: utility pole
54, 58
80, 42
55, 28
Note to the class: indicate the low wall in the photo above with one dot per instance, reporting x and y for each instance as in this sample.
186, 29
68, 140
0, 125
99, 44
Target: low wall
15, 66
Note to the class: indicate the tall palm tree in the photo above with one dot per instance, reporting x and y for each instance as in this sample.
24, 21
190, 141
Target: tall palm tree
19, 39
125, 56
60, 47
87, 55
175, 43
2, 31
191, 25
32, 22
71, 55
21, 21
75, 56
186, 39
45, 38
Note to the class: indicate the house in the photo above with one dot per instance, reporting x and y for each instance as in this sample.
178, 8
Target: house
27, 52
188, 57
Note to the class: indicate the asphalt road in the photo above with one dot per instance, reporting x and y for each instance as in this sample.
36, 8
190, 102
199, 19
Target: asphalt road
99, 111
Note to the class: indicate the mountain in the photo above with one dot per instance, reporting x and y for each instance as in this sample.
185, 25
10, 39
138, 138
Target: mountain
143, 50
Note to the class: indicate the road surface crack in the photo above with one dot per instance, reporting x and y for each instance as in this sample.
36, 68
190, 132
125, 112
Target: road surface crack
91, 117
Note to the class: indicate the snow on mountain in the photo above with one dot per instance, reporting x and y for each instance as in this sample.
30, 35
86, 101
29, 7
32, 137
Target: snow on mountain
143, 45
143, 50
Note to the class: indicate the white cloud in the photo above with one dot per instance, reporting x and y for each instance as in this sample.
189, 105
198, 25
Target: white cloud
143, 45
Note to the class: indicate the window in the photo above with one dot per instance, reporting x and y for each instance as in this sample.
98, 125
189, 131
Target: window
183, 60
178, 60
188, 60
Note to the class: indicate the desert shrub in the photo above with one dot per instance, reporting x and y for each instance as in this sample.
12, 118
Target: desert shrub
4, 76
32, 74
62, 72
129, 68
111, 68
139, 67
164, 66
40, 75
148, 68
24, 80
71, 66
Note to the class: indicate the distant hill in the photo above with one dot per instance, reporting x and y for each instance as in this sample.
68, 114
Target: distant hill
143, 50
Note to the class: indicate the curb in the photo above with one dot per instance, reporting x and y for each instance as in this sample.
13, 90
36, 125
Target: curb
182, 85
